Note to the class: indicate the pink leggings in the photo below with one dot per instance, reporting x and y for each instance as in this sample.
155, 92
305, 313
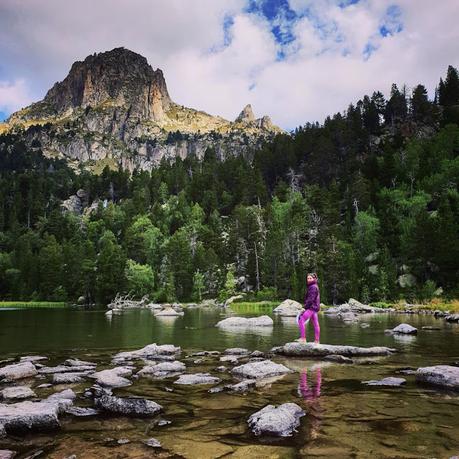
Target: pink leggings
309, 314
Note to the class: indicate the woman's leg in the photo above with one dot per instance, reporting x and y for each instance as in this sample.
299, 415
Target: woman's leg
315, 323
303, 319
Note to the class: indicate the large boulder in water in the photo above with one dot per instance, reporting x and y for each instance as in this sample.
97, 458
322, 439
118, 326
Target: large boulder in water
297, 349
279, 421
288, 308
403, 329
151, 351
445, 376
115, 377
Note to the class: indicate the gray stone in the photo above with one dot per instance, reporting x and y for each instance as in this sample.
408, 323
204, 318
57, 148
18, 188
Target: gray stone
230, 359
297, 349
32, 358
263, 369
239, 351
17, 371
288, 308
79, 363
244, 322
115, 377
197, 378
452, 318
221, 368
7, 454
168, 311
390, 381
70, 378
163, 369
243, 386
17, 393
23, 417
152, 443
445, 376
65, 369
404, 329
281, 421
149, 351
128, 406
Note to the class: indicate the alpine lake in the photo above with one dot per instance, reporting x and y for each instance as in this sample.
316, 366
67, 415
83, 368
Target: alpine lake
344, 418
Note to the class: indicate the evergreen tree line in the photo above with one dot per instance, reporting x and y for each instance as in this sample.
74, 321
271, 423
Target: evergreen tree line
369, 200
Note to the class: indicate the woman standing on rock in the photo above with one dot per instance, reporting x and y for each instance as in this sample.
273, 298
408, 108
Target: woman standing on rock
312, 307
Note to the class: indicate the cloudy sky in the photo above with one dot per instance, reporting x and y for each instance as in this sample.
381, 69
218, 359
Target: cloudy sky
295, 60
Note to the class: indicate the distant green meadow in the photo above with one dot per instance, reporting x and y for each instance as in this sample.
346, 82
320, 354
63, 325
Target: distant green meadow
32, 304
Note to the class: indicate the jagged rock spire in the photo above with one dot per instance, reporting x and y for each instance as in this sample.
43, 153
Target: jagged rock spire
246, 116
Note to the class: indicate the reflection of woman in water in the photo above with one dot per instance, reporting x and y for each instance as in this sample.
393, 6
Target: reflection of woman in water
312, 308
310, 392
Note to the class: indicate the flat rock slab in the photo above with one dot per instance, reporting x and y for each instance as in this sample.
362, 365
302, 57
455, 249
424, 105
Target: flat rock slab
445, 376
79, 363
403, 329
296, 349
128, 406
18, 371
281, 421
240, 351
149, 351
389, 382
197, 378
17, 393
7, 454
65, 369
79, 411
263, 369
70, 378
23, 417
115, 377
32, 358
163, 369
244, 322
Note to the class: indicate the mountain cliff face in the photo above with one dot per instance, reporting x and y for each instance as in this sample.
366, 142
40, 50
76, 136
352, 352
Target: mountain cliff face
114, 109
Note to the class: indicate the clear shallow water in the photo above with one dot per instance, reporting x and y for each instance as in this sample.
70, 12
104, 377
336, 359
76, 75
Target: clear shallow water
345, 418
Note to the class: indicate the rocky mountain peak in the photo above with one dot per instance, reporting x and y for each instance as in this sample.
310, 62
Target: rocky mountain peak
246, 116
120, 78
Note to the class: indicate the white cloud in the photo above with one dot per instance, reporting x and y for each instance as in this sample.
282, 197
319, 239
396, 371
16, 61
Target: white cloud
13, 95
324, 68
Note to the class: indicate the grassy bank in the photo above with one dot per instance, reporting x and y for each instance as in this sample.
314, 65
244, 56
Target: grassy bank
32, 304
436, 304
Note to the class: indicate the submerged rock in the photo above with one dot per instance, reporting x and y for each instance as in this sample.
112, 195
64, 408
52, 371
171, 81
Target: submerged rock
115, 377
128, 406
17, 393
163, 369
279, 421
263, 369
288, 308
17, 371
79, 411
298, 349
338, 358
244, 322
197, 378
403, 329
445, 376
242, 386
65, 369
390, 381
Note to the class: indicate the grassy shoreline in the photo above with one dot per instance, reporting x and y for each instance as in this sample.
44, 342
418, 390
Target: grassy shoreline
32, 305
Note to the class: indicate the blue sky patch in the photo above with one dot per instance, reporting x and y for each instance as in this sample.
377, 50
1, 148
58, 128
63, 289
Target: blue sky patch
3, 116
392, 21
